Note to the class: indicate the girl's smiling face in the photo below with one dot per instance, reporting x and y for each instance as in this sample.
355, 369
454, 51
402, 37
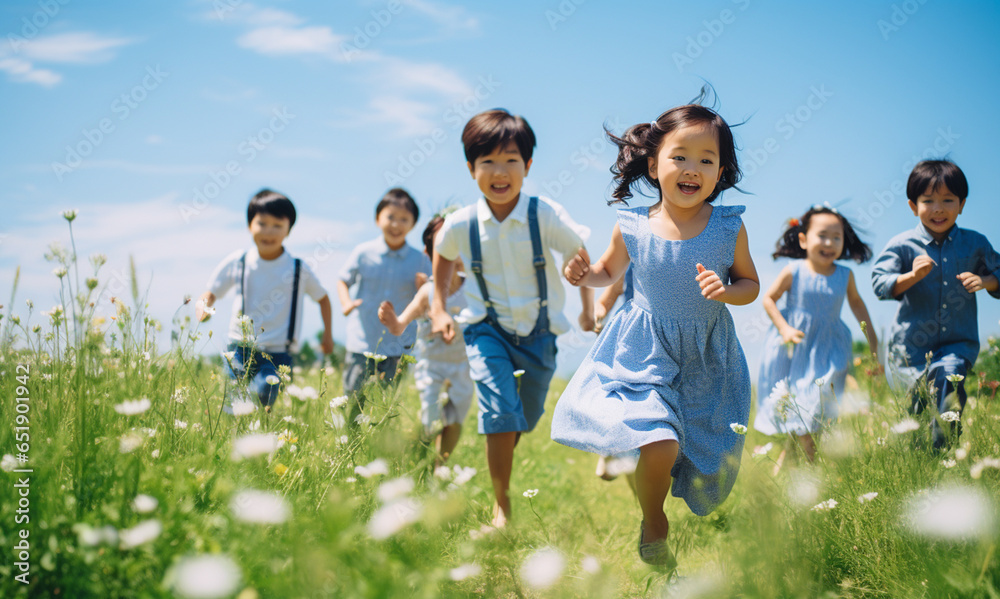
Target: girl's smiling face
687, 165
823, 241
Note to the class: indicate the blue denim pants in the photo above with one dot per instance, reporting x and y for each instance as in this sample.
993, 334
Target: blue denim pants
252, 367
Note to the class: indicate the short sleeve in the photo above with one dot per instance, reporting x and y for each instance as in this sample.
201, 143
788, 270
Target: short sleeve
224, 276
311, 285
990, 265
447, 244
628, 222
349, 272
567, 235
888, 266
732, 219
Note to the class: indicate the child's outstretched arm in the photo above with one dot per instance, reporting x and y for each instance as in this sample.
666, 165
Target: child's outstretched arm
347, 304
326, 313
579, 272
397, 324
861, 313
744, 286
780, 287
442, 322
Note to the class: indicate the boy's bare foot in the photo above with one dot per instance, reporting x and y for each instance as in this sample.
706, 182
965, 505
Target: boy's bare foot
499, 517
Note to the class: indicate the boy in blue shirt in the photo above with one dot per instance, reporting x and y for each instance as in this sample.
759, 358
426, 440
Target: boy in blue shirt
383, 269
934, 271
515, 296
270, 285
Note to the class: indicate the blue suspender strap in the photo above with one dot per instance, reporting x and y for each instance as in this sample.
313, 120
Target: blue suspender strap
477, 269
241, 288
295, 305
538, 259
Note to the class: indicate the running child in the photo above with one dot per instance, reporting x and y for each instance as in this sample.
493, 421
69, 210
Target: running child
441, 373
934, 271
807, 353
667, 378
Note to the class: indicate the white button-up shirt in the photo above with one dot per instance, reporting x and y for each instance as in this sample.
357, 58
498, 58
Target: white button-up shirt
508, 264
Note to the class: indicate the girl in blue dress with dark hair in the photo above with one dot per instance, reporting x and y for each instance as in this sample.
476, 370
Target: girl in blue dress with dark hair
666, 379
807, 352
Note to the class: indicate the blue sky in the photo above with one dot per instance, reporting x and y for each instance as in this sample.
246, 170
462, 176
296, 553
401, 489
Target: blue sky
159, 120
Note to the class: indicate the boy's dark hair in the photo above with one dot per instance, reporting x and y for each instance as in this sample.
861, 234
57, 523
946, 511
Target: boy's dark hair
639, 142
430, 232
400, 198
788, 244
931, 174
494, 129
271, 202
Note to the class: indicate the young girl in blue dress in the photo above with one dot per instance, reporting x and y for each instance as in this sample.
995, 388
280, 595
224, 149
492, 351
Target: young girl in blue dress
667, 379
807, 352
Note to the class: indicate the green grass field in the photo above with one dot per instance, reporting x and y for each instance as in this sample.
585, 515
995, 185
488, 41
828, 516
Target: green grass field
319, 528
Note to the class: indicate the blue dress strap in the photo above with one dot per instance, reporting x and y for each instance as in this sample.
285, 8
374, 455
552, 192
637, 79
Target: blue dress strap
630, 223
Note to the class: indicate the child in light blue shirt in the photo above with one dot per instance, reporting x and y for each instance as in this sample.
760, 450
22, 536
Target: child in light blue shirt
383, 269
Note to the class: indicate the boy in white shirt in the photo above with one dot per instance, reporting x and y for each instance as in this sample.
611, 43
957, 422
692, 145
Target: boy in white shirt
515, 296
270, 284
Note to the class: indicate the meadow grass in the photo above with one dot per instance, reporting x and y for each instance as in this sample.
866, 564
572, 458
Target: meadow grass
346, 536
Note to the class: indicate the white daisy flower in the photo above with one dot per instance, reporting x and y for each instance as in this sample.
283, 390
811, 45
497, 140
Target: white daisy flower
140, 534
950, 416
394, 489
206, 577
867, 497
955, 378
950, 513
254, 445
133, 408
143, 504
259, 507
905, 425
242, 407
393, 517
739, 429
543, 568
272, 379
338, 402
377, 467
530, 493
823, 506
465, 571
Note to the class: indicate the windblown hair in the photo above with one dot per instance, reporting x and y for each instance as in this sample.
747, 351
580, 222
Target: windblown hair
273, 203
934, 173
429, 232
788, 245
640, 142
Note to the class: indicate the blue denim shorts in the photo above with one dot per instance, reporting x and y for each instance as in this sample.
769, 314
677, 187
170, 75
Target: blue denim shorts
508, 403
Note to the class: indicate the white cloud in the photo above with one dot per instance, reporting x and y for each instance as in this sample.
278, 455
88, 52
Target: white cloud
82, 47
280, 40
22, 71
78, 48
433, 77
452, 18
408, 117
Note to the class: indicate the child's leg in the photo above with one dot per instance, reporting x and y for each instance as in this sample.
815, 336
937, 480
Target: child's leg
652, 483
500, 459
267, 367
950, 396
448, 440
808, 445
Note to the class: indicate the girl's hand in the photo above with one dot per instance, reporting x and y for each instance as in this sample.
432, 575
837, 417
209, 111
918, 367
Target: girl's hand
791, 335
922, 266
972, 282
711, 285
348, 308
577, 268
587, 322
